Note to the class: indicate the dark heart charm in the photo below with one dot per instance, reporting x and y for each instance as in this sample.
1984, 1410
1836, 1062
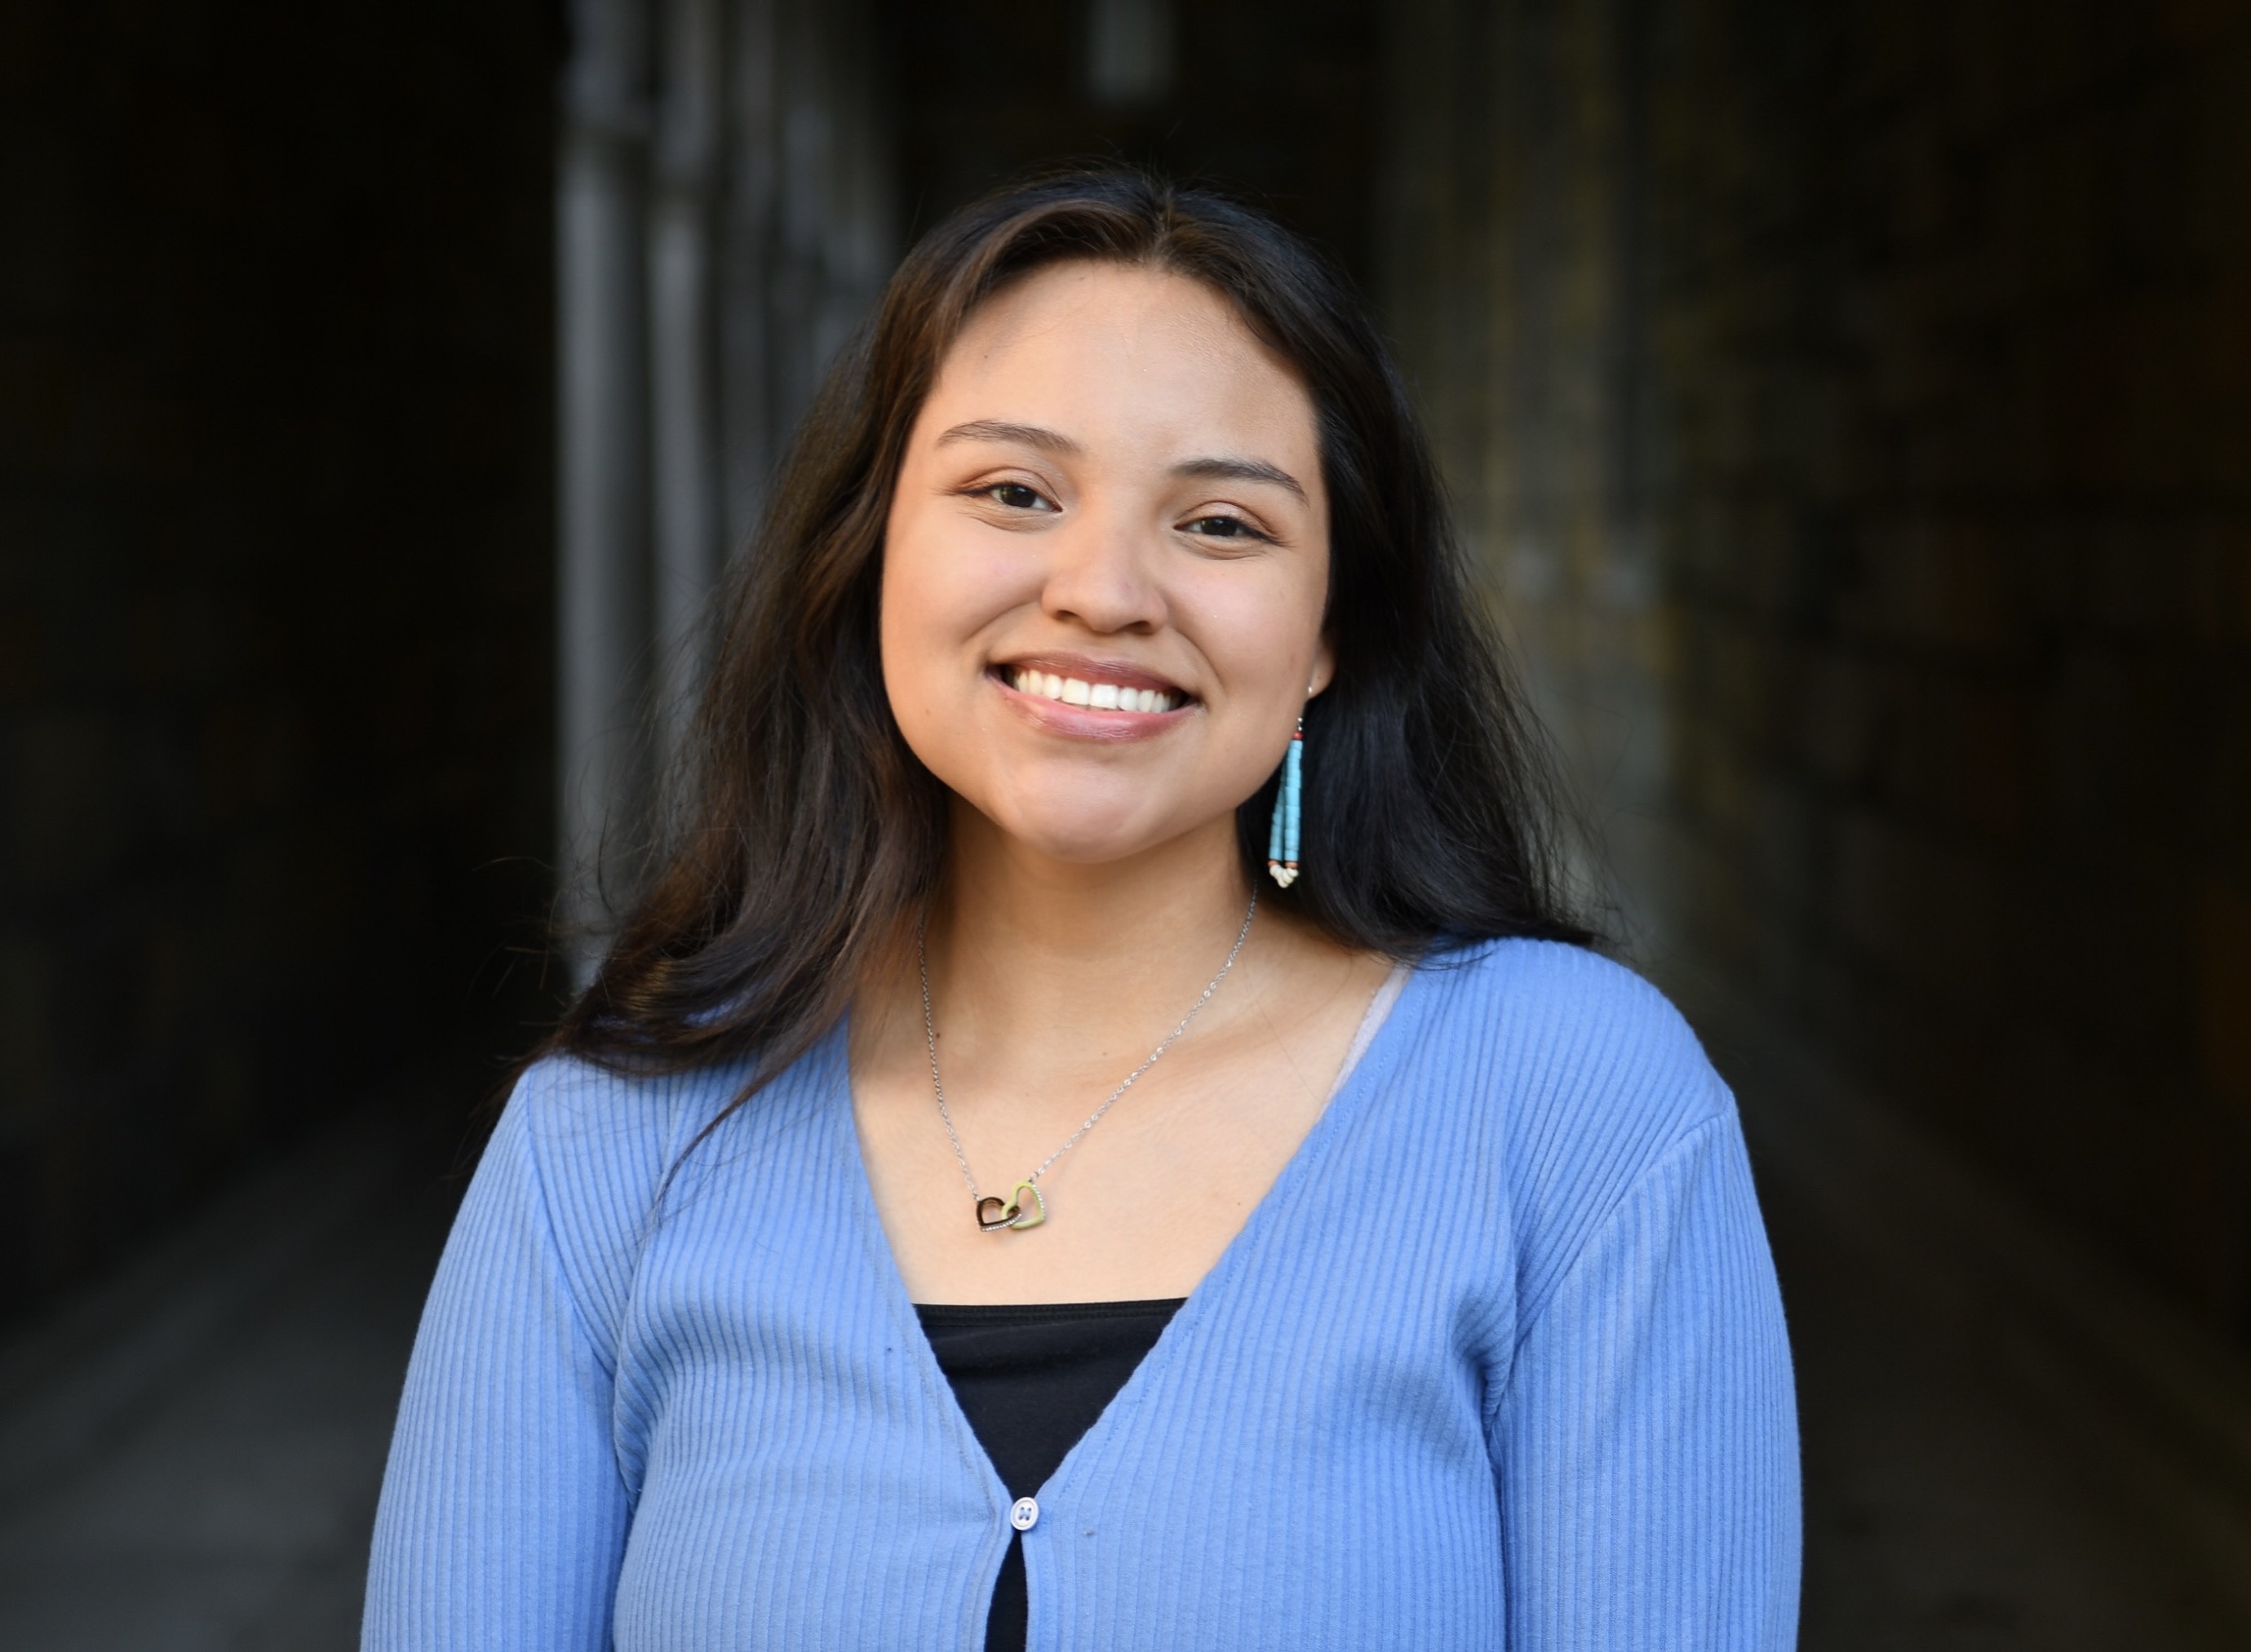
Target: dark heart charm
996, 1213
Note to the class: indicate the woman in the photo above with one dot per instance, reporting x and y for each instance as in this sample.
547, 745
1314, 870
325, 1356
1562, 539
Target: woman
1102, 1133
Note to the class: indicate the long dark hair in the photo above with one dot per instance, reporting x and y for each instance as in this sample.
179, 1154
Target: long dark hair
808, 832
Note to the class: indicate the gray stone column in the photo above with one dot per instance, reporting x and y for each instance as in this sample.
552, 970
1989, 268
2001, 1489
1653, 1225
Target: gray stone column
683, 360
601, 351
723, 219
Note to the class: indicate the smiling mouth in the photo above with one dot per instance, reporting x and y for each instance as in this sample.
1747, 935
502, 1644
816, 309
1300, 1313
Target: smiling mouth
1094, 695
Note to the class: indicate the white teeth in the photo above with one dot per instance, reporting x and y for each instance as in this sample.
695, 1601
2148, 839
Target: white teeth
1096, 696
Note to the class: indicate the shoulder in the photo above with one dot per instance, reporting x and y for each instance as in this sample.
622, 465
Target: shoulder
1578, 1073
1559, 1024
581, 1122
584, 1154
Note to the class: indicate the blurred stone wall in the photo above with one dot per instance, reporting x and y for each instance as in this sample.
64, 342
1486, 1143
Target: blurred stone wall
276, 425
725, 218
1274, 103
1851, 407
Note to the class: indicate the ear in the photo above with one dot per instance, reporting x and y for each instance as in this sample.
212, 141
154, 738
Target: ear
1324, 672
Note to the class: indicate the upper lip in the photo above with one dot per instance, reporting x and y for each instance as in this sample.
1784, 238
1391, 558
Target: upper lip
1123, 673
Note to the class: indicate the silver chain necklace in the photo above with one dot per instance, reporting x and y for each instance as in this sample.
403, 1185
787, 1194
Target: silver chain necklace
995, 1214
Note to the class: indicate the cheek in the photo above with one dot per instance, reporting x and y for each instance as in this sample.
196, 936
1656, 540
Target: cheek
939, 592
1263, 639
921, 602
909, 631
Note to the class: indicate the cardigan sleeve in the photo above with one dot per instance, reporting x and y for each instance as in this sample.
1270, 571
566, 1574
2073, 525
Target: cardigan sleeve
1646, 1449
503, 1515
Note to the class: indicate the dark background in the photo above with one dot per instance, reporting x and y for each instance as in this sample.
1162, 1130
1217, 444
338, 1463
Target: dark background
275, 480
1848, 405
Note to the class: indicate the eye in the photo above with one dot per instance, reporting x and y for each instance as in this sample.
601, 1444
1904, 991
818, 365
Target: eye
1015, 496
1221, 528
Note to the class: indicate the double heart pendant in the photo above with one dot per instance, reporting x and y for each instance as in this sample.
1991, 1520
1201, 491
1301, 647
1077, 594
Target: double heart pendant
995, 1214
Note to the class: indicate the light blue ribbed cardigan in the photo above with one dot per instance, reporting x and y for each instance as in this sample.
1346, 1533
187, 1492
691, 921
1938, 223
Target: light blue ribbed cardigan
1498, 1362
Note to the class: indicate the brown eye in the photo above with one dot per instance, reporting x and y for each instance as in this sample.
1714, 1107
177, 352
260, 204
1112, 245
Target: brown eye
1015, 496
1223, 527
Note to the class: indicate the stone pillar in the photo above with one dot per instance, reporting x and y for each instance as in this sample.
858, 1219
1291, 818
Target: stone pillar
807, 236
1516, 274
684, 364
602, 361
724, 218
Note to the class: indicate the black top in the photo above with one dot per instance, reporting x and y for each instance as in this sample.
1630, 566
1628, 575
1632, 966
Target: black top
1031, 1379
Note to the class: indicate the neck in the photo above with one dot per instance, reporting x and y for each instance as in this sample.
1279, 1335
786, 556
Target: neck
1026, 944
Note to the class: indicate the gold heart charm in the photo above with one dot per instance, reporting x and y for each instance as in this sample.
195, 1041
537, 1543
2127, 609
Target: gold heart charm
1032, 1218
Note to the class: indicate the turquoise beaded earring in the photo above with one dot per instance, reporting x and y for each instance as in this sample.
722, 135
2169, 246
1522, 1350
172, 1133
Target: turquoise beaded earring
1282, 841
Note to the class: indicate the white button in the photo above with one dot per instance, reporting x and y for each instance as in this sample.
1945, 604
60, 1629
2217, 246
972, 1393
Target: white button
1025, 1515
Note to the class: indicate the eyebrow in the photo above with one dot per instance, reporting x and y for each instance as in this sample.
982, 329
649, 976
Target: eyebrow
1241, 470
998, 430
1214, 467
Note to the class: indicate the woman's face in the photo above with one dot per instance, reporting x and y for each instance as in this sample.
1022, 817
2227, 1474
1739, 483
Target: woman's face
1106, 562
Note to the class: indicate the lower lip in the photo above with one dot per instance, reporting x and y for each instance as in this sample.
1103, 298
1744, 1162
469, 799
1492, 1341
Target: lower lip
1088, 722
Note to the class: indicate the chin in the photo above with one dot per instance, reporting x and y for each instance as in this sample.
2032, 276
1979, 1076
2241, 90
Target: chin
1078, 827
1078, 842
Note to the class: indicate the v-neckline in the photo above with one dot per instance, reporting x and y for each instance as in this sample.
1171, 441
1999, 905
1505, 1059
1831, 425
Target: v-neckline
1376, 1060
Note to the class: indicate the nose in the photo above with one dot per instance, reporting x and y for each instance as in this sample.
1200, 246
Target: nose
1103, 574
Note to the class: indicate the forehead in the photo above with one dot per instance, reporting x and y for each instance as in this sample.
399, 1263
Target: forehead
1105, 345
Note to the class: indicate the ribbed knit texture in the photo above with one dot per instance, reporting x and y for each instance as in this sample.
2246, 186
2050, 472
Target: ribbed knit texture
1498, 1362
